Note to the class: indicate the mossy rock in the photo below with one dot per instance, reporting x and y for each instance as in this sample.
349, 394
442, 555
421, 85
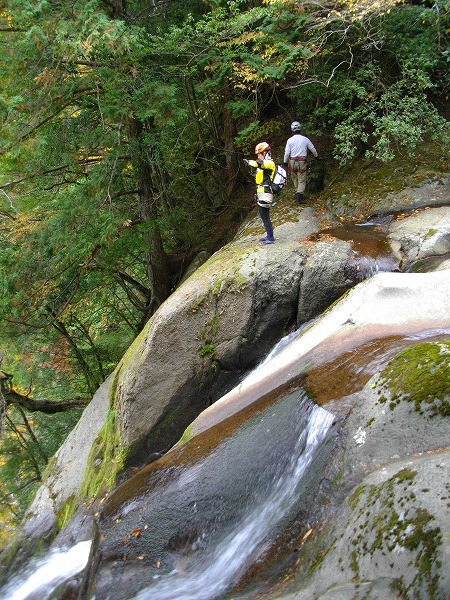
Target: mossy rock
420, 374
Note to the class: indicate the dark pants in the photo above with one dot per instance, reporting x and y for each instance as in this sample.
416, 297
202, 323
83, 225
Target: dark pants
264, 213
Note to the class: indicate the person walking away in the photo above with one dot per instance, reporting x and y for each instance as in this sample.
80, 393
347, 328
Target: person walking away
265, 171
295, 155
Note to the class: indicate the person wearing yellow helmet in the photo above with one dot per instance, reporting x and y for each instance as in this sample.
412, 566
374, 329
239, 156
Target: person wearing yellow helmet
296, 152
264, 172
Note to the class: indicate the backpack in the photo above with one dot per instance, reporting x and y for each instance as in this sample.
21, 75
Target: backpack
279, 179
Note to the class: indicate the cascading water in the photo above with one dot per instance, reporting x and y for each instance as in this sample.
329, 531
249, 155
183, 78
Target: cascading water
209, 516
40, 578
215, 569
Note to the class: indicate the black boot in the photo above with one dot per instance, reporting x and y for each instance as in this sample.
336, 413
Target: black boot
299, 198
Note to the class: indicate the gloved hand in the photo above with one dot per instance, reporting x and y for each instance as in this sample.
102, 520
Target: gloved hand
245, 161
318, 158
285, 166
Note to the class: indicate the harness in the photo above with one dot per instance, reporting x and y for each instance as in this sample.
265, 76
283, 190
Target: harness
297, 163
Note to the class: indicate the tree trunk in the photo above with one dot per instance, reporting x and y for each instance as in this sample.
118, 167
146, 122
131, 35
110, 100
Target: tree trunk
148, 194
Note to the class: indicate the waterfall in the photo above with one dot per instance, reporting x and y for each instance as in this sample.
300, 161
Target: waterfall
215, 569
218, 562
41, 577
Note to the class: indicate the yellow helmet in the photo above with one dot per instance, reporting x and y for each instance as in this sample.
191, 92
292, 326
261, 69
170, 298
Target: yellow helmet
262, 147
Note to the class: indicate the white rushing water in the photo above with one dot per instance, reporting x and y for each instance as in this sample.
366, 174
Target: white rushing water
41, 577
214, 573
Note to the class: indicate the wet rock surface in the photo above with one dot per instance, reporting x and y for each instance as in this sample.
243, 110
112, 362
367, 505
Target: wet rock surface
390, 538
422, 235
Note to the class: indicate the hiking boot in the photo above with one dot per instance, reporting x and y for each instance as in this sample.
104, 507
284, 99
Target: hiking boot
263, 239
299, 198
267, 241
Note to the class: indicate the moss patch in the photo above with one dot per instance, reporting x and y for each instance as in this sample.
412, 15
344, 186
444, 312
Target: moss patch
223, 270
220, 273
431, 233
133, 355
187, 435
386, 521
66, 512
420, 374
355, 496
105, 460
207, 351
210, 329
106, 457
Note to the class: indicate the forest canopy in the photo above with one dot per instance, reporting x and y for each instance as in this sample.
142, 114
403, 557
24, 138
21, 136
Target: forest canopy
122, 131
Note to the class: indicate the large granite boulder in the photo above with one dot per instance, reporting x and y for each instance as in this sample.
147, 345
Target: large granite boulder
216, 326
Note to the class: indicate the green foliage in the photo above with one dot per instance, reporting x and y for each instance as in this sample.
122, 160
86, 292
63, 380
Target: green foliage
396, 118
380, 92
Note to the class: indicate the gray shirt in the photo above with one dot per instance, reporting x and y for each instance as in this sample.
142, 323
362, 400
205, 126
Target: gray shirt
298, 145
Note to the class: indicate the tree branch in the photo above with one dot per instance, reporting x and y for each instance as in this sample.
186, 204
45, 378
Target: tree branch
11, 396
136, 284
84, 161
24, 443
12, 29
